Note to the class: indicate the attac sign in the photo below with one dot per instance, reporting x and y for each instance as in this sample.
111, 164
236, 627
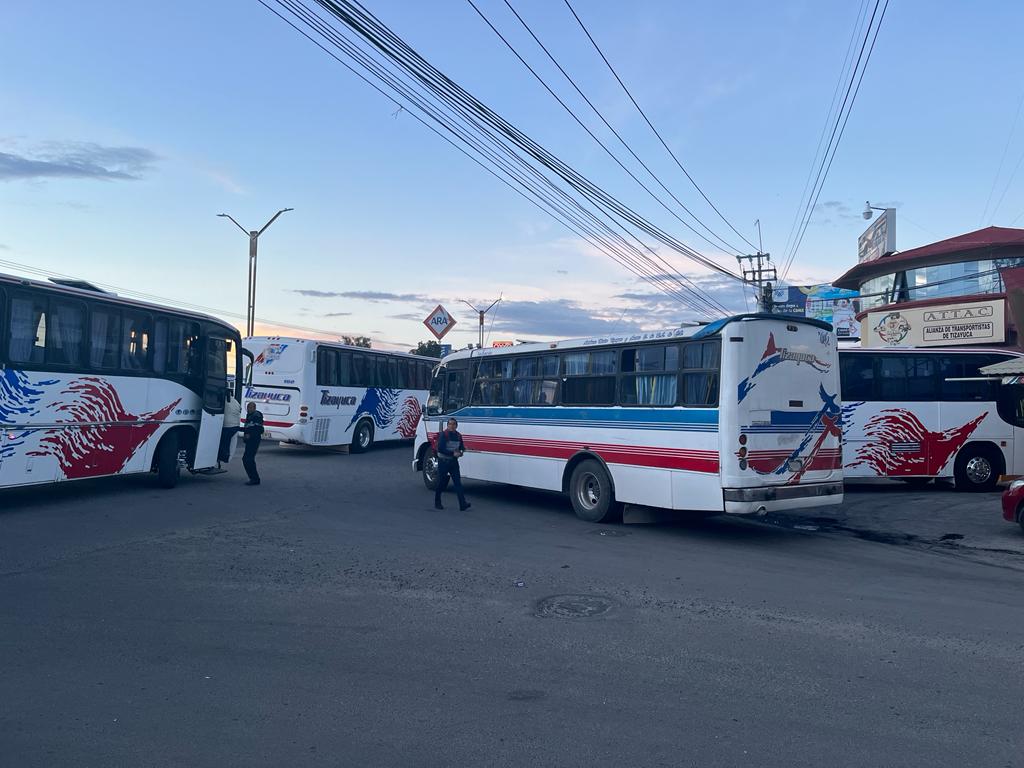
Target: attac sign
976, 322
439, 322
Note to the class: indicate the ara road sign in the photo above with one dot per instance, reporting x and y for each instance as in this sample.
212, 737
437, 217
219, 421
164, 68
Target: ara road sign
439, 322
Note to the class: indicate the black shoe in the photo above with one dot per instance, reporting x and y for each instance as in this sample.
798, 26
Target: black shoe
437, 505
253, 482
465, 506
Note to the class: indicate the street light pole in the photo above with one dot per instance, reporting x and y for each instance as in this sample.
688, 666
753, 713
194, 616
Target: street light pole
254, 236
480, 317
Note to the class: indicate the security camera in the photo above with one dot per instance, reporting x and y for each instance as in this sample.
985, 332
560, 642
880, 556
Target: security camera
867, 209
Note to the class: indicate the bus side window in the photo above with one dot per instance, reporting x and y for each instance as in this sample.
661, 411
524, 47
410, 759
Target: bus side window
104, 338
326, 367
28, 329
344, 368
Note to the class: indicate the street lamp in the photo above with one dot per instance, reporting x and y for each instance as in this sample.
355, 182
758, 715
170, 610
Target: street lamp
868, 208
253, 235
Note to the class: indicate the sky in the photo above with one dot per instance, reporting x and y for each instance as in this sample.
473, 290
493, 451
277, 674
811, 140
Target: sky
126, 127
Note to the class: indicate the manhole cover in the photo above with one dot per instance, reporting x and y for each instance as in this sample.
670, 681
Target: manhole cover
573, 606
614, 532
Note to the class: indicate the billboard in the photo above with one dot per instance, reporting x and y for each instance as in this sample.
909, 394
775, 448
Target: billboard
878, 239
976, 322
837, 306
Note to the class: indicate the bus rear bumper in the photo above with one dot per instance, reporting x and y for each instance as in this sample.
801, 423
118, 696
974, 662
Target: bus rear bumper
762, 500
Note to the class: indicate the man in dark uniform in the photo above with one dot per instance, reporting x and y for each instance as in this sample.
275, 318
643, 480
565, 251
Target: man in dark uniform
449, 448
252, 433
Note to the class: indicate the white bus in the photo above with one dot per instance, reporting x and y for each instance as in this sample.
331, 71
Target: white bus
740, 416
93, 384
921, 413
322, 393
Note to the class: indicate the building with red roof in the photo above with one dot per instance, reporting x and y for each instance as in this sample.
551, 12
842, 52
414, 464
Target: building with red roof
949, 292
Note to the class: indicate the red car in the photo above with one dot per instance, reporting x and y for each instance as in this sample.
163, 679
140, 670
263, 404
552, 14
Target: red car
1013, 503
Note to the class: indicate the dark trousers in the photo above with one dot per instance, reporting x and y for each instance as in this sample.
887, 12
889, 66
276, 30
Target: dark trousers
249, 458
224, 454
449, 468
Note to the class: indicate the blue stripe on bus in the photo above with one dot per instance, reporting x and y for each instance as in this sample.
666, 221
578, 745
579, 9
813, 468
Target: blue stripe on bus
696, 420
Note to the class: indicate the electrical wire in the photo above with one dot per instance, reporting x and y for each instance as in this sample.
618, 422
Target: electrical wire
1002, 160
460, 106
722, 242
544, 202
179, 303
651, 125
354, 16
839, 129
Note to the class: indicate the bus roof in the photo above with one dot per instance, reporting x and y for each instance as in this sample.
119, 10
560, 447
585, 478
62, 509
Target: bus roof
671, 334
85, 290
332, 344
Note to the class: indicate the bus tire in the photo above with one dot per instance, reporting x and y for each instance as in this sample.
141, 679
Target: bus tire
362, 438
591, 494
428, 462
167, 468
977, 468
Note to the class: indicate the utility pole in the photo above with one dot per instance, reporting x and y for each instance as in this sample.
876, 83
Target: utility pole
480, 315
759, 271
254, 236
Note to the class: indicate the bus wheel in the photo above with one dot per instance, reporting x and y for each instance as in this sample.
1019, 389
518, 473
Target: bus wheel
363, 437
977, 468
167, 467
590, 491
429, 464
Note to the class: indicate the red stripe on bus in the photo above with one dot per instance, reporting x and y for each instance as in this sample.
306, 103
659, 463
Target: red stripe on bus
633, 455
278, 423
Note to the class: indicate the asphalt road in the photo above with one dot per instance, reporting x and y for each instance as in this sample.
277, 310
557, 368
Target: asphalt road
331, 617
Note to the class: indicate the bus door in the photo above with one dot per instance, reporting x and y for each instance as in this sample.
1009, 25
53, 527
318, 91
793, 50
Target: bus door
215, 387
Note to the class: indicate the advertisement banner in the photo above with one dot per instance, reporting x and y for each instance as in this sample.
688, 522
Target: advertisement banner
837, 306
976, 322
878, 239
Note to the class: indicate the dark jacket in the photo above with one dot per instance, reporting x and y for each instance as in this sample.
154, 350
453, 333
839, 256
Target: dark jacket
253, 428
448, 443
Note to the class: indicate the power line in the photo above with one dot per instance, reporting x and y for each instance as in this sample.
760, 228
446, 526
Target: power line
651, 125
488, 126
847, 61
838, 130
180, 304
608, 125
518, 183
1002, 160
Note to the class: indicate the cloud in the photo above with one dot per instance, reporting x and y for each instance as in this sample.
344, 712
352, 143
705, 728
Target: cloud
4, 247
337, 314
361, 295
77, 160
560, 318
562, 271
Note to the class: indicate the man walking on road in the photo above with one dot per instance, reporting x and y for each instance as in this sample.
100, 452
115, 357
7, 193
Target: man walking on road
449, 448
252, 433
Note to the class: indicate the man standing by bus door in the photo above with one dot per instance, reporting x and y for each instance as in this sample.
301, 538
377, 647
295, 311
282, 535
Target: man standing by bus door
252, 433
449, 449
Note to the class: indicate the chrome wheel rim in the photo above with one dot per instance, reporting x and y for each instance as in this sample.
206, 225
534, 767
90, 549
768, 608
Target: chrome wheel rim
588, 491
364, 436
430, 469
978, 470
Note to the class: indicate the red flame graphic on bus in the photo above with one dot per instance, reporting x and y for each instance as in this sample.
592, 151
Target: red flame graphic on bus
899, 444
99, 447
410, 418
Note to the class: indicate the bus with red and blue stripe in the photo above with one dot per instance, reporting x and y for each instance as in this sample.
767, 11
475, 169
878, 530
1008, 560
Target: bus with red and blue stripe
93, 384
740, 416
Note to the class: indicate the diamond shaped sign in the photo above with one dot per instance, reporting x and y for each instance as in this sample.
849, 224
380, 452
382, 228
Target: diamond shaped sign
439, 322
